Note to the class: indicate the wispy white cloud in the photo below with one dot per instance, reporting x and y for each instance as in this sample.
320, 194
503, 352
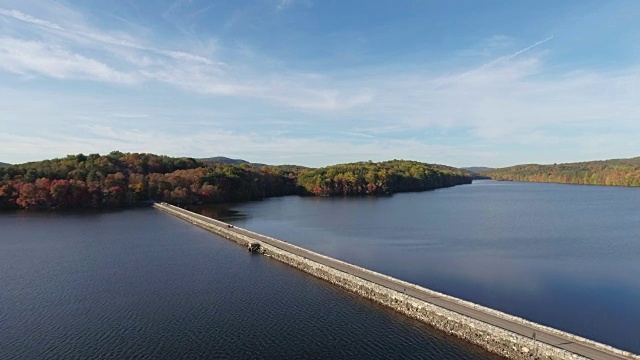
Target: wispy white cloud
31, 58
175, 6
131, 116
506, 99
184, 70
516, 99
267, 147
283, 4
29, 19
488, 47
89, 34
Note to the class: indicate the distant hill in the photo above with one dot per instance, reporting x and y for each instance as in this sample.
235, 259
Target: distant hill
229, 161
615, 172
477, 169
224, 160
4, 164
476, 172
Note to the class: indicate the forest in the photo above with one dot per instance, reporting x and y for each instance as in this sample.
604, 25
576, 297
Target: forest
129, 179
383, 178
617, 172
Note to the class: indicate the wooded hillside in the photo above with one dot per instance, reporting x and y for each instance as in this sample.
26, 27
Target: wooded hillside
369, 178
617, 172
119, 179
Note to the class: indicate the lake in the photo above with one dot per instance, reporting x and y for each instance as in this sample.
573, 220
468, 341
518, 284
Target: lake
567, 256
141, 284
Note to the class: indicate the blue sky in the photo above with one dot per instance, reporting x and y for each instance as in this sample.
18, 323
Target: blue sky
311, 82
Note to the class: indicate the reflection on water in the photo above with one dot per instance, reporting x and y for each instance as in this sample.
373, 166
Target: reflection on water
561, 255
222, 212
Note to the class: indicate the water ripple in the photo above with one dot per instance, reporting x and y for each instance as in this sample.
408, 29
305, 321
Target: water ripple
74, 287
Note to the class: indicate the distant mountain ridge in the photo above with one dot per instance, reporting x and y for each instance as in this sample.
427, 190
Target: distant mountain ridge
476, 169
4, 164
229, 161
224, 160
614, 172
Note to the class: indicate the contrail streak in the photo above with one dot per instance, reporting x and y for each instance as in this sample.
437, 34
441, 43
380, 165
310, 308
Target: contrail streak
507, 57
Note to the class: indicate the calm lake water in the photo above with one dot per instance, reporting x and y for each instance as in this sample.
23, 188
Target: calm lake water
562, 255
140, 284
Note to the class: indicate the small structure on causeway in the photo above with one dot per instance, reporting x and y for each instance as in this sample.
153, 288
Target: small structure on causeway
253, 246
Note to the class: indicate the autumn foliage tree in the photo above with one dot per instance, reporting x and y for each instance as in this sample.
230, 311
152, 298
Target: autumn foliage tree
383, 178
119, 179
617, 172
126, 179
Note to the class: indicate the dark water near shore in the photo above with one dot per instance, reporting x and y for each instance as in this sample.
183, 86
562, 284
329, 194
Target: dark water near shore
140, 284
562, 255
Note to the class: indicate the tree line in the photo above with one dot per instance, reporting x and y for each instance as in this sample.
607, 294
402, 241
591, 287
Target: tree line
118, 179
383, 178
617, 172
127, 179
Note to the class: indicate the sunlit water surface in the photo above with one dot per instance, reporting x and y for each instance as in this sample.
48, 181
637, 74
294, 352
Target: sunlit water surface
561, 255
141, 284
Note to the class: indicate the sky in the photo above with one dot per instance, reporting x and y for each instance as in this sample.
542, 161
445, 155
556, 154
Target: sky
310, 82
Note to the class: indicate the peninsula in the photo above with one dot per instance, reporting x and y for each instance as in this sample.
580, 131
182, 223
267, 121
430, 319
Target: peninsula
129, 179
